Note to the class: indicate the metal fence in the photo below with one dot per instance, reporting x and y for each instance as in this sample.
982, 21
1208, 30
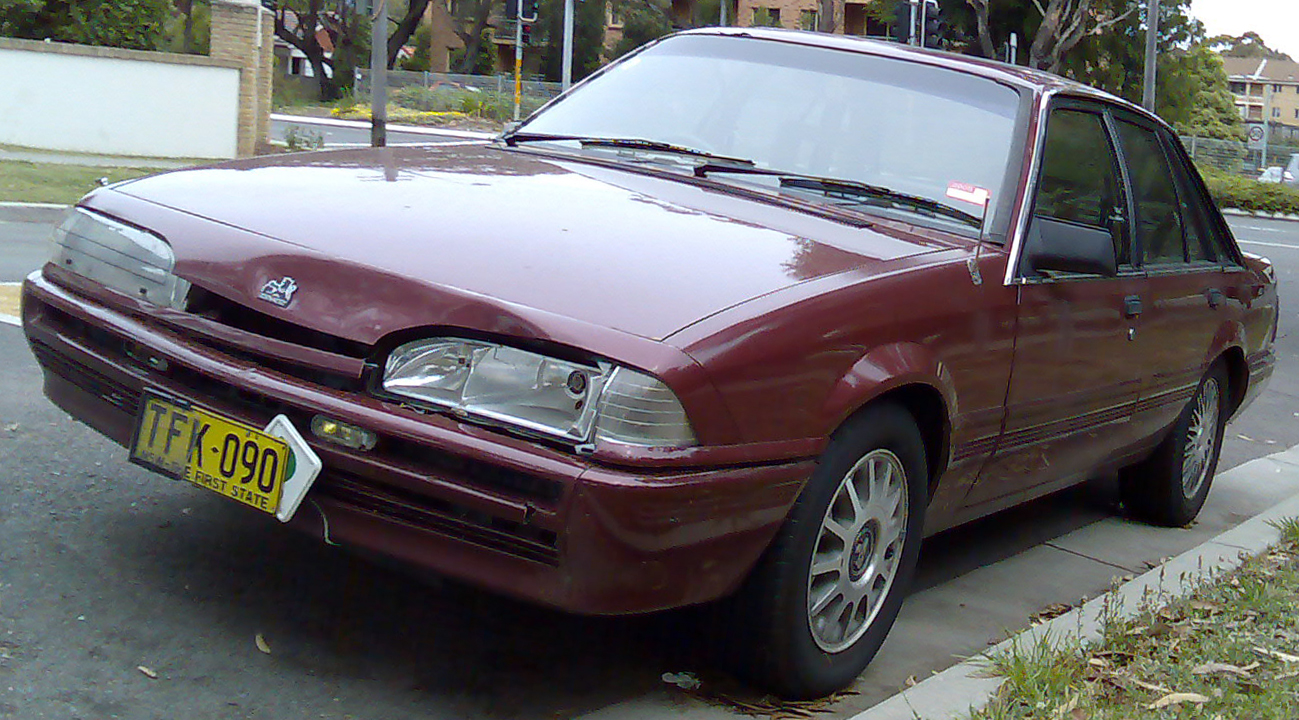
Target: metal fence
1236, 157
535, 90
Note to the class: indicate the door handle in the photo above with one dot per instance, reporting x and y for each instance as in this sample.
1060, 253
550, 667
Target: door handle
1131, 306
1215, 297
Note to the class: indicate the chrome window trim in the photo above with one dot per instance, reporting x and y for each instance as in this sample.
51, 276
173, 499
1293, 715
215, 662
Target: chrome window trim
1030, 191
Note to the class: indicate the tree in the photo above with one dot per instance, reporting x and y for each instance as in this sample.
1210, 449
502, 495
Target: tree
471, 18
588, 37
641, 23
1056, 28
1192, 92
189, 28
300, 23
132, 24
1249, 45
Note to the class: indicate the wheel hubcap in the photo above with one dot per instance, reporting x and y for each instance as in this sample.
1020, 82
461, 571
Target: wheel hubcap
1201, 433
857, 552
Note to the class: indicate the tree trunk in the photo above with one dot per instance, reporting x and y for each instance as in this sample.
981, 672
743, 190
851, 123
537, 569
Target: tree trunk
405, 28
985, 31
472, 38
825, 21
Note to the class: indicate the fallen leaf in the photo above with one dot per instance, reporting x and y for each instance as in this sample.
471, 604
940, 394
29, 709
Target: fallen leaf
1283, 657
1211, 608
1147, 686
1246, 438
1079, 714
1067, 708
261, 643
1217, 668
911, 681
1177, 699
149, 673
1099, 662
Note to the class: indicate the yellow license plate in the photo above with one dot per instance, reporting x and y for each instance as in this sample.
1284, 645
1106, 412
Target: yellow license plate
211, 451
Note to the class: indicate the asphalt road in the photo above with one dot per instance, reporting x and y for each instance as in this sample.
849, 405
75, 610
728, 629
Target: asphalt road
106, 568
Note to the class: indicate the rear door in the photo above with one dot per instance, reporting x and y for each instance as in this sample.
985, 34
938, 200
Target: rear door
1189, 296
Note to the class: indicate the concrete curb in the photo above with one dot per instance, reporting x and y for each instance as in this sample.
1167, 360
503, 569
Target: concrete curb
960, 689
1263, 216
362, 125
47, 213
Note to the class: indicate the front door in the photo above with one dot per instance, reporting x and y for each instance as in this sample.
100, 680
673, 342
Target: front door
1076, 373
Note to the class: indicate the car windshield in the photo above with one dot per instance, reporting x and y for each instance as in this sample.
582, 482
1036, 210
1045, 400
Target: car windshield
924, 133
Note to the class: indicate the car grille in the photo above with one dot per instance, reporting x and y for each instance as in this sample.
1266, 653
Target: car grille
219, 309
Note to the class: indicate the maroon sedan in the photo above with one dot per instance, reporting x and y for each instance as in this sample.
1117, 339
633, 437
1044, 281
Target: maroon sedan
743, 317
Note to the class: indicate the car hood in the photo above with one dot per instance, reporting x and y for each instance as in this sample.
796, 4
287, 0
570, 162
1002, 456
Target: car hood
372, 236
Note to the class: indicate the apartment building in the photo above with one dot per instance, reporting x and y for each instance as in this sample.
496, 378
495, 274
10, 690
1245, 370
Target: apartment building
1266, 90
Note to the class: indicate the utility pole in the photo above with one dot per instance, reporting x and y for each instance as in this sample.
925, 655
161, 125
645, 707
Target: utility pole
567, 76
1152, 34
379, 74
518, 66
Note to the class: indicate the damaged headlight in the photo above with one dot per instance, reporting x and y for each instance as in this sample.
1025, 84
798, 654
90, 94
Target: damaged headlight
118, 256
573, 401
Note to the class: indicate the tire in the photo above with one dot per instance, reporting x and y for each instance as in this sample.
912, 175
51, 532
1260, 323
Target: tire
1170, 486
791, 630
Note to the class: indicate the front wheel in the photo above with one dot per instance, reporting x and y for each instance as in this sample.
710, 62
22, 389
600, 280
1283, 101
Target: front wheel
822, 599
1170, 486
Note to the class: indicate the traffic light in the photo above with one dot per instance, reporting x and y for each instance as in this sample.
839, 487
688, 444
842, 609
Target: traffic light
932, 36
902, 21
528, 10
526, 32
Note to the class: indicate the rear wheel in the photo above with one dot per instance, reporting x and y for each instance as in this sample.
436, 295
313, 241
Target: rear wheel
1170, 486
822, 599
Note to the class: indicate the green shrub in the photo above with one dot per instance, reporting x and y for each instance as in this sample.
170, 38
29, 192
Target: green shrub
1234, 191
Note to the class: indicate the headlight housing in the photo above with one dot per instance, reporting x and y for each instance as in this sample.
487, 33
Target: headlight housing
118, 256
572, 401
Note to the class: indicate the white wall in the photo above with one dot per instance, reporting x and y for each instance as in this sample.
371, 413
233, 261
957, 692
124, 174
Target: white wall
117, 102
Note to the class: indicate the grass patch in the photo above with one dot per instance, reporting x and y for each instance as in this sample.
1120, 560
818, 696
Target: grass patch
1229, 650
22, 181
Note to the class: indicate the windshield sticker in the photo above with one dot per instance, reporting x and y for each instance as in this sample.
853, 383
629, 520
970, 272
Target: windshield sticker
969, 193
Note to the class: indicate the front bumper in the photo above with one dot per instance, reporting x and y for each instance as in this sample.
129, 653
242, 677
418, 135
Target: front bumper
514, 516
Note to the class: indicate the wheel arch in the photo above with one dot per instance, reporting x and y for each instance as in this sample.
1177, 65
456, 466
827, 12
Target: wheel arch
1233, 358
906, 374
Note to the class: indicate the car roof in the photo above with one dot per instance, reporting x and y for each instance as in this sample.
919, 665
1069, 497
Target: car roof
1036, 81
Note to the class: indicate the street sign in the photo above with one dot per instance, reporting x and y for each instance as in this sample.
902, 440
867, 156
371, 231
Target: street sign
1257, 134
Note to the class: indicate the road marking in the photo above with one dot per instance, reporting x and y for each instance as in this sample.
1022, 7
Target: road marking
1261, 229
9, 303
1268, 244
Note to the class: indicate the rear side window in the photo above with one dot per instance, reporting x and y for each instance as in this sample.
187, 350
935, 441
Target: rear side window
1203, 243
1078, 183
1158, 224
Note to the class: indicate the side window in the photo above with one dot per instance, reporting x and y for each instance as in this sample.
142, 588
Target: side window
1078, 183
1158, 222
1203, 240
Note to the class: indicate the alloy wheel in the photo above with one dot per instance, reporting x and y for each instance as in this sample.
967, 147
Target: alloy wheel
858, 549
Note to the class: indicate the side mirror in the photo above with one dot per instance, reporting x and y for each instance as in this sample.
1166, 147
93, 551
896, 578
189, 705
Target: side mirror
1053, 245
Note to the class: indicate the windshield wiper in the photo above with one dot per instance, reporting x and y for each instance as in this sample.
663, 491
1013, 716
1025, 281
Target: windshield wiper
849, 188
631, 143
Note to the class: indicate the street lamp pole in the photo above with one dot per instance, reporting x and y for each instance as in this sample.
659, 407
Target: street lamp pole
379, 74
1152, 34
568, 45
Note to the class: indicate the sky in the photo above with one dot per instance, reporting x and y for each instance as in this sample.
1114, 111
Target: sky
1276, 21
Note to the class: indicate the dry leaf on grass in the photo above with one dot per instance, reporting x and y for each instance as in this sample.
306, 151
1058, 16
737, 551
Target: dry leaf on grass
1177, 699
1145, 685
147, 672
1211, 608
1050, 612
1283, 657
1217, 668
261, 643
